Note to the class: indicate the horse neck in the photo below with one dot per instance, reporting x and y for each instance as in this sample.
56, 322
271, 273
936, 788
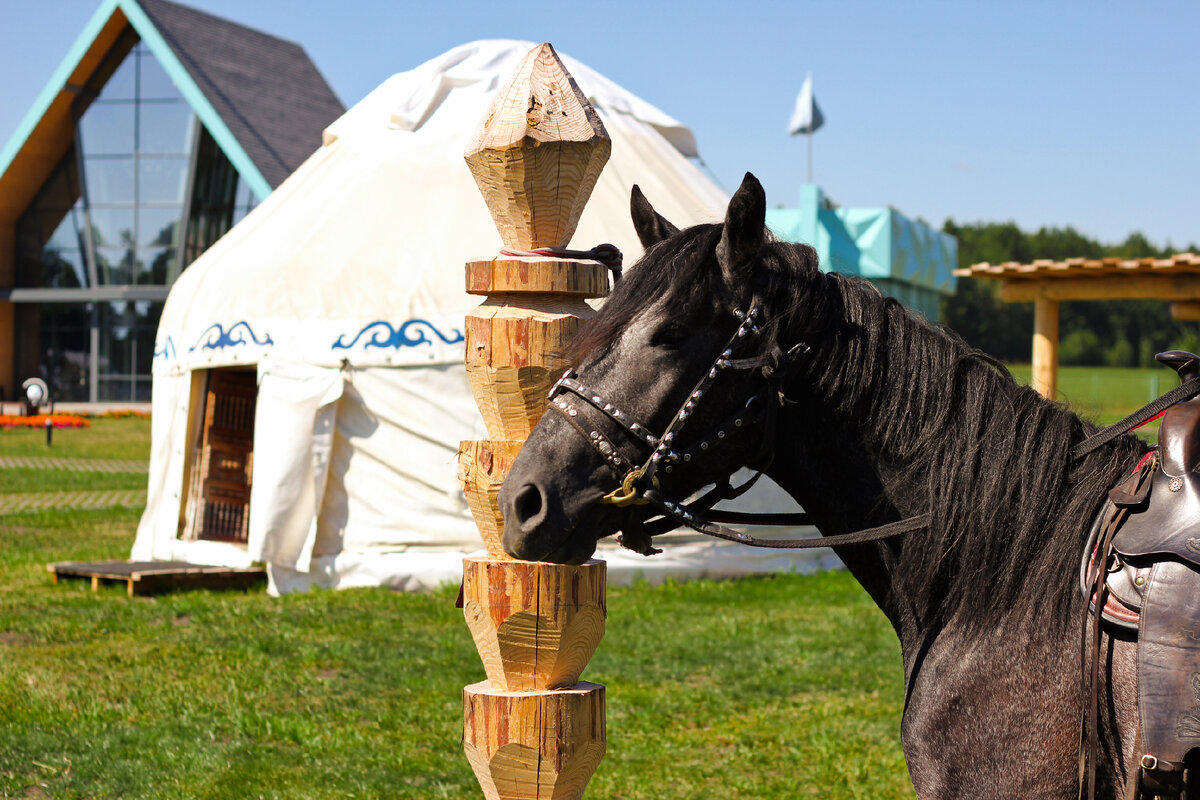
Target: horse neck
895, 419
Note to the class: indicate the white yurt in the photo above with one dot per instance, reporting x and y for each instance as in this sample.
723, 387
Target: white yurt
309, 394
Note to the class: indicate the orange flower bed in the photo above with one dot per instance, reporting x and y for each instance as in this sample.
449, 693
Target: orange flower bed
40, 420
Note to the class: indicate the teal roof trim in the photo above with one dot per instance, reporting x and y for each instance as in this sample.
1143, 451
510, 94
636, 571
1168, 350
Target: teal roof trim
170, 62
56, 84
879, 244
196, 99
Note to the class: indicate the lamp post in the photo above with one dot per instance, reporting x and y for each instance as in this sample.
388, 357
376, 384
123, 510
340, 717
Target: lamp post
36, 393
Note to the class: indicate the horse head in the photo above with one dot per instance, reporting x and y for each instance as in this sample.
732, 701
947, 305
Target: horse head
674, 381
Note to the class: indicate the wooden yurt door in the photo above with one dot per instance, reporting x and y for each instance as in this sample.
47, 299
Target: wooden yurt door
223, 464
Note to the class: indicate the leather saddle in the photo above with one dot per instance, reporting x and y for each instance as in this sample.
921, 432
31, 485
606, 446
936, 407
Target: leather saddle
1153, 569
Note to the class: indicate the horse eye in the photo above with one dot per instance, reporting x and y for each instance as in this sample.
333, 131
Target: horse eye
671, 335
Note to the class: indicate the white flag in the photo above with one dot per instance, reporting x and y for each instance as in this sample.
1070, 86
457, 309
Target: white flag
806, 117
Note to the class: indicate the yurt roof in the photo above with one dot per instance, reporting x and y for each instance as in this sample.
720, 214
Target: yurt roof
358, 255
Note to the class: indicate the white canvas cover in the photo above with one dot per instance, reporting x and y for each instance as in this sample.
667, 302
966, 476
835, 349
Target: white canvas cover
345, 289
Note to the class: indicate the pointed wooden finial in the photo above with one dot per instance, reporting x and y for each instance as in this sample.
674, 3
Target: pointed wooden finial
537, 154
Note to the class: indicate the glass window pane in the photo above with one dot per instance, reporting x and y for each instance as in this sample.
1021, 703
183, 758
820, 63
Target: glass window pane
166, 128
107, 128
145, 329
122, 84
114, 266
112, 227
109, 180
65, 342
158, 225
156, 85
154, 264
126, 332
69, 232
162, 180
63, 269
245, 197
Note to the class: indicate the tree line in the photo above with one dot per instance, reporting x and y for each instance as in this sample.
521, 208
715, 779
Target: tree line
1118, 333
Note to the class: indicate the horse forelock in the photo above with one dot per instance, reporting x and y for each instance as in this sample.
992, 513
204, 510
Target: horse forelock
675, 273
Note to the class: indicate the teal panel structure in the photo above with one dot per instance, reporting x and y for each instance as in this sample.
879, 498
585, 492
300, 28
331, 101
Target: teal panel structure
905, 258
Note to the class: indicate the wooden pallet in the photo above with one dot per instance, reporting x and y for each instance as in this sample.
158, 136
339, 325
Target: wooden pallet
152, 577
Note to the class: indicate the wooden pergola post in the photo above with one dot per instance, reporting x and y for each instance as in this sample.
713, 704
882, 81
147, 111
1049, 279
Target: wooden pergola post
1045, 347
532, 730
1048, 283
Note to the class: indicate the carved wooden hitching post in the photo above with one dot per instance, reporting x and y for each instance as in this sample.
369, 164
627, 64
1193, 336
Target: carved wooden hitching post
532, 730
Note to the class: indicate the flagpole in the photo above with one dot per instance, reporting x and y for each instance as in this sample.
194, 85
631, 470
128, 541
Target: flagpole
808, 136
806, 118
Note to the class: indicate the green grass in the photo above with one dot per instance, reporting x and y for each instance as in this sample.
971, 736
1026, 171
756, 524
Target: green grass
1106, 394
19, 480
106, 438
714, 689
777, 687
729, 688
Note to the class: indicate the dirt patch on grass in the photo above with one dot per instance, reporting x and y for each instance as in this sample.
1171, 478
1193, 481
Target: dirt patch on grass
14, 638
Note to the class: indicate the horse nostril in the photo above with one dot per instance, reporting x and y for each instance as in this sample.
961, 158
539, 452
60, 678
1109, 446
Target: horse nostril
529, 507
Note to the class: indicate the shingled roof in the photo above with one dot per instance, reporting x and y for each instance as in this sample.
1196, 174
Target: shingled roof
266, 90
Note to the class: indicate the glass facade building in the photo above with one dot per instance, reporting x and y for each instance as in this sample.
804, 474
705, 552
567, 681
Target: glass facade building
161, 129
142, 191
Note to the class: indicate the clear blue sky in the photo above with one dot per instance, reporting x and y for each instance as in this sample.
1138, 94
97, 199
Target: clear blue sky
1044, 113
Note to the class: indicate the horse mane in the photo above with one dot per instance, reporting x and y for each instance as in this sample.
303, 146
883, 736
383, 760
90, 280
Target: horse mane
1010, 509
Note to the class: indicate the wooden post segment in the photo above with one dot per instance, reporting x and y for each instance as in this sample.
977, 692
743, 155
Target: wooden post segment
514, 345
533, 745
536, 625
532, 731
538, 153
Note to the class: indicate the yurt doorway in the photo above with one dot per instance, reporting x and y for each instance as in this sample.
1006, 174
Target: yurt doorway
221, 464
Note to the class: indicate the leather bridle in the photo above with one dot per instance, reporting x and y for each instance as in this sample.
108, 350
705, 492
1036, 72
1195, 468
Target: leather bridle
638, 482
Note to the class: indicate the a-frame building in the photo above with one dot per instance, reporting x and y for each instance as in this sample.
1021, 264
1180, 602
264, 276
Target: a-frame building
160, 129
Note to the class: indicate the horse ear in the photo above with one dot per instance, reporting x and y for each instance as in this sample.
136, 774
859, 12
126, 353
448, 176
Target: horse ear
745, 229
651, 226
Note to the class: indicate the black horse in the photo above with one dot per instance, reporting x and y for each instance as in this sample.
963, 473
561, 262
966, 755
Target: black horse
878, 416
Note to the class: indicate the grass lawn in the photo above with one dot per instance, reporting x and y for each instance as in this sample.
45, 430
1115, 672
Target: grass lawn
108, 437
768, 687
752, 688
734, 689
1106, 394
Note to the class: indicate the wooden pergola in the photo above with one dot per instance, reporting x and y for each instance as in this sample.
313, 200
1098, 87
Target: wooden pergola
1047, 283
